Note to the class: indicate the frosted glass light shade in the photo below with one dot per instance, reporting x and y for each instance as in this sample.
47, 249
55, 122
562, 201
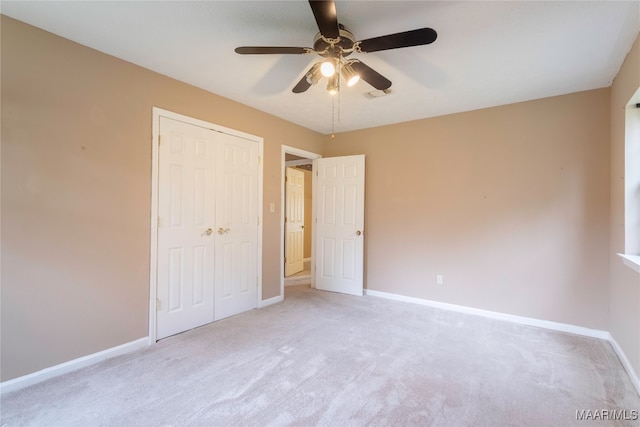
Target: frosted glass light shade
327, 68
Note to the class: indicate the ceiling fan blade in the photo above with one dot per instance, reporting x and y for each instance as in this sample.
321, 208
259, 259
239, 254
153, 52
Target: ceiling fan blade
326, 17
266, 50
371, 76
394, 41
302, 85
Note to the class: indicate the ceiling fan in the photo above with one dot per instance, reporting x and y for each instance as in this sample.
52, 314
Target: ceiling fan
335, 43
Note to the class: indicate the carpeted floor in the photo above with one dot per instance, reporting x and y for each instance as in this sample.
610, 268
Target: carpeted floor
321, 358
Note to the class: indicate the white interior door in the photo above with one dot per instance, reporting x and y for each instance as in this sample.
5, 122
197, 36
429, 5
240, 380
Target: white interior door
236, 279
339, 228
186, 219
294, 221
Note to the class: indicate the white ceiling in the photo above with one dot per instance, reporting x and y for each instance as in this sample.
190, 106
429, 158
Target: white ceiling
486, 54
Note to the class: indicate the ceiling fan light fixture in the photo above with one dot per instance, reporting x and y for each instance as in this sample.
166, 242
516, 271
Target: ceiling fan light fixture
327, 68
350, 75
314, 75
334, 84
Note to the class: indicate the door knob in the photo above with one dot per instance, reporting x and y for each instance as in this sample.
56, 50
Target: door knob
208, 231
221, 231
358, 233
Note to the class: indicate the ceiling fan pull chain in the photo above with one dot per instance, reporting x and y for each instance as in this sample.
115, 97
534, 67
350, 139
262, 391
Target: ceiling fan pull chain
339, 106
333, 117
333, 114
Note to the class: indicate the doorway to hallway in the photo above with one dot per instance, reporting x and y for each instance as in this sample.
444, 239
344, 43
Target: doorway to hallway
297, 209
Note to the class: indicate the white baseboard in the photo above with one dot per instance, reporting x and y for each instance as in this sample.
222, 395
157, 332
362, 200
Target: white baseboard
556, 326
625, 362
72, 365
564, 327
271, 301
81, 362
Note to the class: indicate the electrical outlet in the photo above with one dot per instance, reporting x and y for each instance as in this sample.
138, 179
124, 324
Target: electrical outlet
439, 279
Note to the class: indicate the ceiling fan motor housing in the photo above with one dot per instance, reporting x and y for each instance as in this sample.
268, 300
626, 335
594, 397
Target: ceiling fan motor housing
343, 46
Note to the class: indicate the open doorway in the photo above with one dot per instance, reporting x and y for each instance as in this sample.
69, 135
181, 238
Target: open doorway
297, 209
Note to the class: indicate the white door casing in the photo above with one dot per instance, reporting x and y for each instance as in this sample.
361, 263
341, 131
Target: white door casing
286, 149
205, 185
236, 227
186, 211
294, 221
339, 223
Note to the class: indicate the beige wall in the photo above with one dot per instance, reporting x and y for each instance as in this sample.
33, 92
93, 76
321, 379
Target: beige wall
513, 205
509, 204
76, 167
624, 288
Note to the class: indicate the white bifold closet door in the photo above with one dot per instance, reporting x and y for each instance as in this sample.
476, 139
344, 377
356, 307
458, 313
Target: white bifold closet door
207, 226
236, 248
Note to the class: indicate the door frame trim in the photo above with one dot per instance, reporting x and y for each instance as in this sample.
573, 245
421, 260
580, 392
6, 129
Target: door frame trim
286, 149
157, 113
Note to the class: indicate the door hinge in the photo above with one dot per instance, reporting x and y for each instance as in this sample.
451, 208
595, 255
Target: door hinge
286, 178
285, 219
159, 138
159, 221
158, 304
285, 260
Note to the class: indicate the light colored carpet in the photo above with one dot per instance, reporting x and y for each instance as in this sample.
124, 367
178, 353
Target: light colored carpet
321, 358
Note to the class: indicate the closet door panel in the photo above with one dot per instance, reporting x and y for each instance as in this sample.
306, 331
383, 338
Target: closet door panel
237, 226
